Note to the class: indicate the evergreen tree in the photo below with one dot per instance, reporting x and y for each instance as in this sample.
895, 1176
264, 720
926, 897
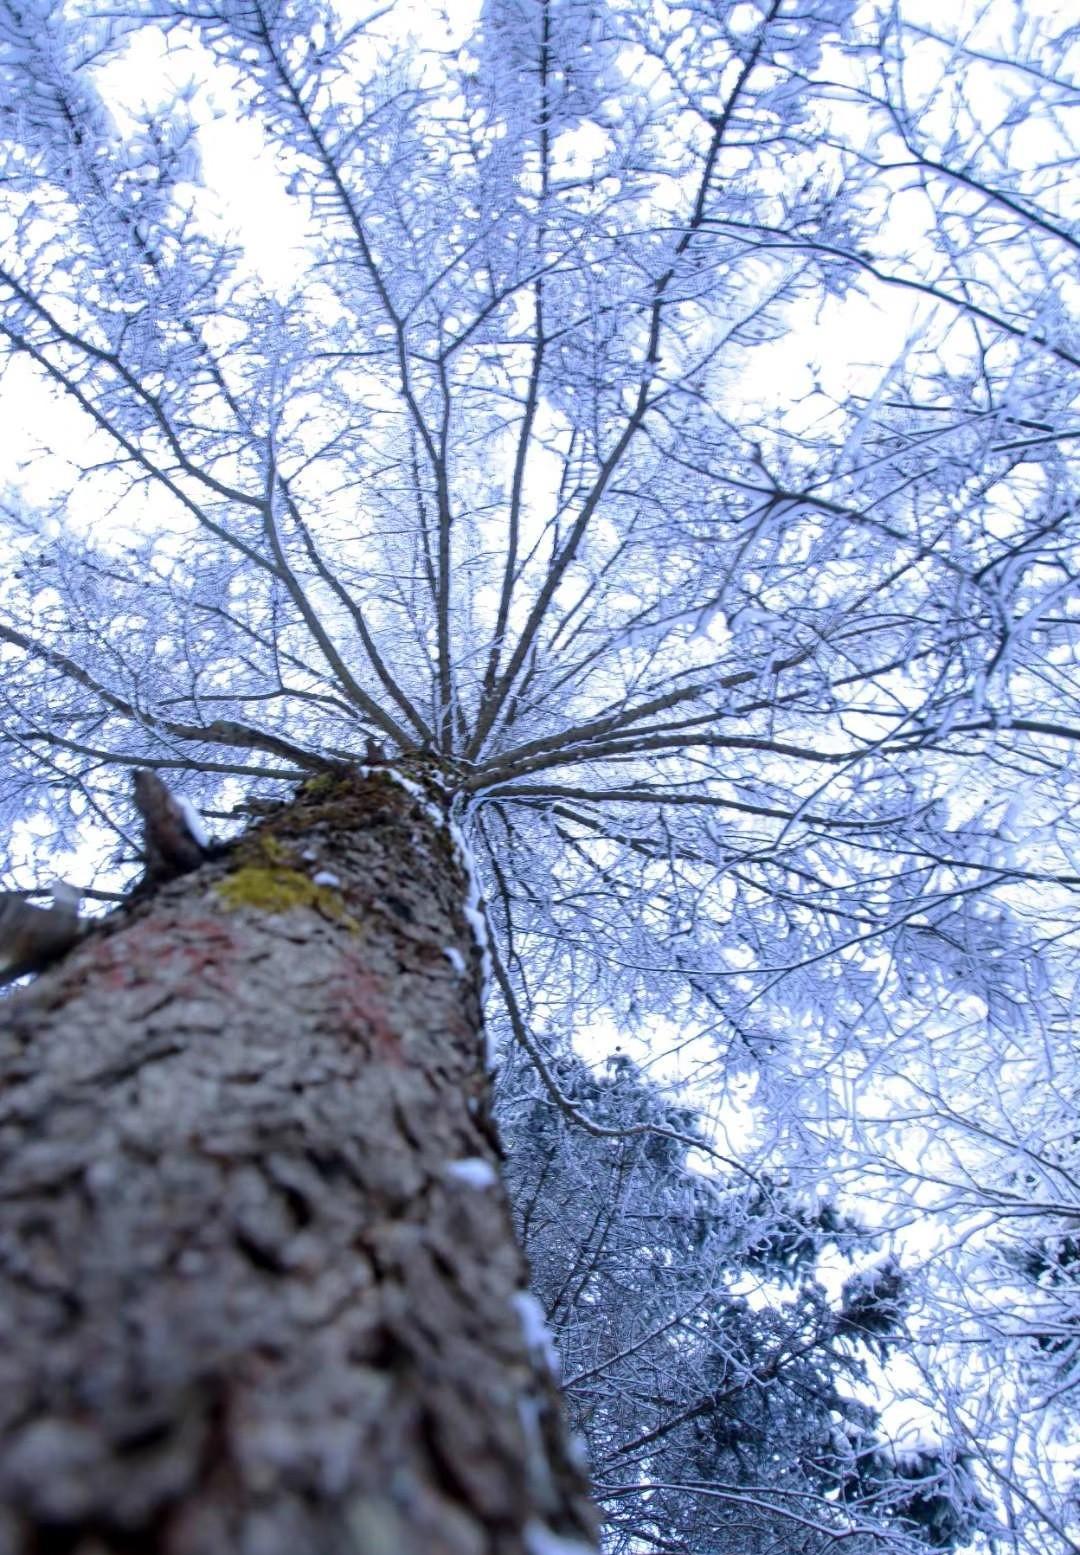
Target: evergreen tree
718, 1390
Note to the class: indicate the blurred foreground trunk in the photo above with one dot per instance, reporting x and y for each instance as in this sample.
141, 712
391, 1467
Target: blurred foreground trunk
259, 1291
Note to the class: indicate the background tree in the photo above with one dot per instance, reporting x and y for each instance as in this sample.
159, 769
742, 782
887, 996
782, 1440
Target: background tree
747, 668
718, 1388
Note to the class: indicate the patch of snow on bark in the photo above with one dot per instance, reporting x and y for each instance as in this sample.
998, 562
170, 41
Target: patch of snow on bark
578, 1452
473, 905
475, 917
473, 1172
540, 1540
455, 958
193, 820
411, 787
325, 877
67, 897
535, 1329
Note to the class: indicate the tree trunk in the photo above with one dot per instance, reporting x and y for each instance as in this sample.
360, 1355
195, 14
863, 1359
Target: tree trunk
259, 1291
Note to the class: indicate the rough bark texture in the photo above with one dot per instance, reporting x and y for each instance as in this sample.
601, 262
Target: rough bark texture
246, 1302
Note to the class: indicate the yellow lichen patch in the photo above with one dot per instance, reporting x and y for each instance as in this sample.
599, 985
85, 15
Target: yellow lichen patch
275, 888
271, 848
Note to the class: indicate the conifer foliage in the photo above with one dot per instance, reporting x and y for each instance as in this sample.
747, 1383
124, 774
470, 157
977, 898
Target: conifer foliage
716, 1385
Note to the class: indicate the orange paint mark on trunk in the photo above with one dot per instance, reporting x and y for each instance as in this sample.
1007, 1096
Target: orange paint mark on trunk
146, 951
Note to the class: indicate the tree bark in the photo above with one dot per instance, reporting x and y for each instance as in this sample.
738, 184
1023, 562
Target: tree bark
259, 1290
